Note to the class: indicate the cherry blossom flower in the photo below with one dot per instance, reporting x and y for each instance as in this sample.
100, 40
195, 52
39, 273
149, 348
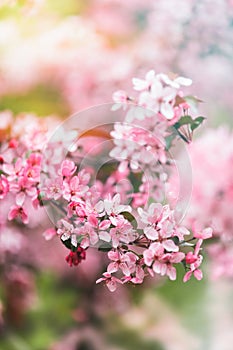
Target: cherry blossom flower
123, 232
161, 262
141, 84
89, 236
67, 168
74, 189
111, 281
53, 188
195, 261
113, 208
67, 231
119, 262
17, 211
120, 98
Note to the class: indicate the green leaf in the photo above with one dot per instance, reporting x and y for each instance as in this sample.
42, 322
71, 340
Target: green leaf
187, 119
128, 216
197, 122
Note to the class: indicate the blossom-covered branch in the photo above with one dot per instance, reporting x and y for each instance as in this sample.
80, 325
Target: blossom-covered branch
131, 223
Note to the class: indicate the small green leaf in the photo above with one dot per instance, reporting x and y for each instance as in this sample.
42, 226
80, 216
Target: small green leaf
183, 121
197, 122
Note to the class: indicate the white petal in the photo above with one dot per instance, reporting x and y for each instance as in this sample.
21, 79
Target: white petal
167, 110
183, 81
170, 246
105, 236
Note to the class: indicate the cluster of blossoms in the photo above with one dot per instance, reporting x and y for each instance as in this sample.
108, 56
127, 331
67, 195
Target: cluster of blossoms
212, 198
153, 119
140, 239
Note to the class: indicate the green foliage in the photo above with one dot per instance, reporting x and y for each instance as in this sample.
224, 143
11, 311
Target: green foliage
188, 120
184, 129
130, 340
42, 100
188, 300
49, 319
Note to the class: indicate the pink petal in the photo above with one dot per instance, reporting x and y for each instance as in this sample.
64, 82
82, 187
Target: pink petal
111, 285
13, 212
151, 233
187, 276
198, 274
93, 220
20, 198
170, 246
171, 272
104, 225
124, 268
112, 267
105, 236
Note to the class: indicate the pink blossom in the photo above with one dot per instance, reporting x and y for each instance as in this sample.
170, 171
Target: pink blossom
18, 212
153, 215
23, 188
13, 171
204, 234
113, 208
119, 262
67, 168
159, 99
89, 235
111, 281
123, 232
121, 99
161, 262
141, 84
77, 208
195, 261
74, 189
135, 265
53, 188
67, 231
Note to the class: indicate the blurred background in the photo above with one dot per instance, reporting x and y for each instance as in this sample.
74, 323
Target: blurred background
59, 57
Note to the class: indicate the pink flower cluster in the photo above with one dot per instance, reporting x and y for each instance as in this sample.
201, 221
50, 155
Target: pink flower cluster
141, 139
139, 238
212, 196
158, 93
